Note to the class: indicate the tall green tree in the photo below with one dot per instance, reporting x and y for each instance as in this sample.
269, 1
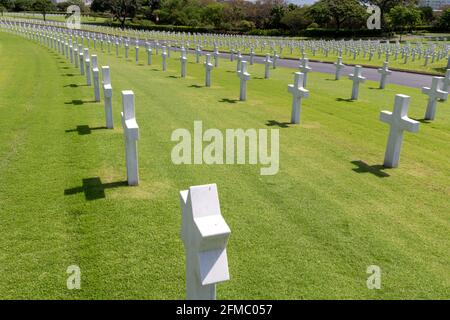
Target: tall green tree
23, 5
444, 20
62, 6
404, 18
386, 5
297, 19
337, 12
121, 10
43, 6
427, 14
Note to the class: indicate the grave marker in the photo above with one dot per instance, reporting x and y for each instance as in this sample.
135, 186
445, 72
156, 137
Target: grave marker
399, 122
107, 93
208, 68
95, 74
244, 76
131, 132
205, 236
339, 66
434, 94
385, 72
357, 78
298, 92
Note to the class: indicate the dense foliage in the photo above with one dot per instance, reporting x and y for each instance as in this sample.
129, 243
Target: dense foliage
273, 16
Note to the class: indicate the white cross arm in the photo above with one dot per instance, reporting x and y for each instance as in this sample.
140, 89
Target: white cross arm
243, 75
426, 90
302, 92
205, 231
383, 71
131, 128
405, 123
107, 88
386, 116
438, 93
306, 68
360, 78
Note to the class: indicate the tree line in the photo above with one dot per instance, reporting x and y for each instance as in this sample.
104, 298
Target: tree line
241, 15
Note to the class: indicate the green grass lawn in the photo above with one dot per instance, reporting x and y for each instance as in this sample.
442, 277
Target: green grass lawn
310, 231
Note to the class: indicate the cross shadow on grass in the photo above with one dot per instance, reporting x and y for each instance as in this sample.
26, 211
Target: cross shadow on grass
227, 100
274, 123
84, 129
422, 120
195, 86
344, 100
78, 102
94, 189
68, 74
377, 170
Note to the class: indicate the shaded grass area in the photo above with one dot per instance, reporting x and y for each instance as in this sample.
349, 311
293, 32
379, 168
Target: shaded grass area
308, 232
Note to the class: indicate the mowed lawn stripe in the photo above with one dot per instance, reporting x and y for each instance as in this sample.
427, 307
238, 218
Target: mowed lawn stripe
308, 232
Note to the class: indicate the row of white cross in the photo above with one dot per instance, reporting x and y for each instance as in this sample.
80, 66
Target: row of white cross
204, 231
367, 48
434, 92
298, 90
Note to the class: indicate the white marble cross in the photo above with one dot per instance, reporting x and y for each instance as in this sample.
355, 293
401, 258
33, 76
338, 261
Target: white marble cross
149, 56
183, 61
76, 57
298, 92
164, 58
131, 132
304, 68
357, 78
198, 53
216, 57
385, 72
274, 60
238, 61
434, 93
267, 63
137, 54
208, 68
244, 76
107, 94
339, 66
95, 74
205, 236
399, 122
87, 64
81, 62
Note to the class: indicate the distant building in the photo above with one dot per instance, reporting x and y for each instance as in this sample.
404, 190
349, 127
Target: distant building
435, 4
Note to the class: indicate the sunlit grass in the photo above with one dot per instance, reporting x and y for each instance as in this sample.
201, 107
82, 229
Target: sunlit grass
308, 232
